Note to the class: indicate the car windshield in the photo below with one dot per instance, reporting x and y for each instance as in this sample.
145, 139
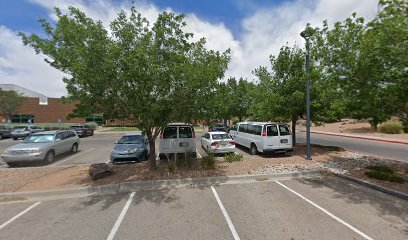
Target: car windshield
134, 139
39, 138
76, 127
20, 128
220, 136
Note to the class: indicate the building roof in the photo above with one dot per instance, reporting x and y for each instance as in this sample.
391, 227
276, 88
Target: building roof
25, 92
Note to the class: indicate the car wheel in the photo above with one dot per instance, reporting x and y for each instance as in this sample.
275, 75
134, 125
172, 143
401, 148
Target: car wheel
49, 157
74, 148
12, 164
14, 138
254, 150
1, 136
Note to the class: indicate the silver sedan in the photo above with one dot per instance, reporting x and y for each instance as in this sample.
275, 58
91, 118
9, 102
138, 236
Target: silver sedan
43, 146
217, 142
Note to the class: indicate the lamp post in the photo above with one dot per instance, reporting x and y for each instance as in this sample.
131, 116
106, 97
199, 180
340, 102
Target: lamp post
306, 34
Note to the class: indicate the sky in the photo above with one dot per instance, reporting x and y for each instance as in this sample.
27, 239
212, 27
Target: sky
253, 30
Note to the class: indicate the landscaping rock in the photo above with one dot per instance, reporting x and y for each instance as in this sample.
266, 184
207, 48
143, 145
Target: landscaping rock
100, 170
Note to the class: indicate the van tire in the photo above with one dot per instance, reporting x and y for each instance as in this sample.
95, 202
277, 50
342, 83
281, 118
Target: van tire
253, 149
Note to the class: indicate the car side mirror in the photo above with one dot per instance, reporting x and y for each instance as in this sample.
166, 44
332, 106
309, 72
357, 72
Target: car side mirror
58, 139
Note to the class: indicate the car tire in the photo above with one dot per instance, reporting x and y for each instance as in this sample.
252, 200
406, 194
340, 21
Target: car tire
12, 165
74, 148
1, 136
254, 150
49, 157
14, 138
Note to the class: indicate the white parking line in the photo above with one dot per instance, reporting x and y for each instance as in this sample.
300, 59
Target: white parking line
327, 212
121, 217
18, 215
72, 157
226, 216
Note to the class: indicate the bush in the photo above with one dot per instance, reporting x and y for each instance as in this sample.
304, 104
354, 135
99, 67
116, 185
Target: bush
391, 127
92, 125
380, 168
233, 157
208, 162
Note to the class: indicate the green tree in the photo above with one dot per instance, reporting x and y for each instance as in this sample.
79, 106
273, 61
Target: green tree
10, 102
241, 97
153, 74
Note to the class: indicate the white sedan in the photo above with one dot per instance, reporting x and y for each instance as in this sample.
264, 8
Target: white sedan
217, 142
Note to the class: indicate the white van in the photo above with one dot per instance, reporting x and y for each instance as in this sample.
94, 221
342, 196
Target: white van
264, 137
177, 138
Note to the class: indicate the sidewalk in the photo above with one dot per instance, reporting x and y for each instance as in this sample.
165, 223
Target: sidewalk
372, 138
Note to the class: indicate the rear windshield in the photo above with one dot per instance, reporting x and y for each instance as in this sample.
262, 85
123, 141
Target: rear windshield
284, 130
272, 130
185, 132
170, 132
220, 136
39, 138
135, 139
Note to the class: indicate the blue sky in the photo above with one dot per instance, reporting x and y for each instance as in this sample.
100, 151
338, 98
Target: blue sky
253, 30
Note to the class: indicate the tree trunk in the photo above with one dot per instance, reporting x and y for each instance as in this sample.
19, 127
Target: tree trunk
294, 120
240, 118
152, 134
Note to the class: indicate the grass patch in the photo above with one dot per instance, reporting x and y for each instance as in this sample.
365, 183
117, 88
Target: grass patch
391, 127
121, 129
233, 157
383, 173
330, 148
208, 162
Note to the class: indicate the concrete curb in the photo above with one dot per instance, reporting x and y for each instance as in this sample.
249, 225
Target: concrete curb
153, 184
360, 137
373, 186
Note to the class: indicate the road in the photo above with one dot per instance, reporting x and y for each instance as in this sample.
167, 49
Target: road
291, 209
375, 148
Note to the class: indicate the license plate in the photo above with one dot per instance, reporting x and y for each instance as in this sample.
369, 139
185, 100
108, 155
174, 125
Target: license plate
183, 144
284, 140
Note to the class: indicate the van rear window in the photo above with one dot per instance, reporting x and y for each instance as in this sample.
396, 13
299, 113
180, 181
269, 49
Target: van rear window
284, 130
185, 132
170, 132
272, 130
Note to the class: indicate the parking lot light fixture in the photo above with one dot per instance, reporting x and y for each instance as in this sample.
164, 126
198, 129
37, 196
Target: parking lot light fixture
306, 34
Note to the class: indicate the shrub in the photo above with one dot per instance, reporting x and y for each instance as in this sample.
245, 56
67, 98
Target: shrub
208, 162
172, 163
380, 168
92, 125
233, 157
391, 127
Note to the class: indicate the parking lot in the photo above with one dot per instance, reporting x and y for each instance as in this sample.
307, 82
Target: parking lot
96, 149
287, 209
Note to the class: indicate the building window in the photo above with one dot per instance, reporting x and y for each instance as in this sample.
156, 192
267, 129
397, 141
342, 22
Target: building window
97, 118
22, 118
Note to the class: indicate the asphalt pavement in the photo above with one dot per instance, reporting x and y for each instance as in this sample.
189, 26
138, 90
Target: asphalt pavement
393, 151
292, 209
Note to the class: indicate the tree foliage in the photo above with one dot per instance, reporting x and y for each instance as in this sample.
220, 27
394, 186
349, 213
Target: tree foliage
10, 102
153, 74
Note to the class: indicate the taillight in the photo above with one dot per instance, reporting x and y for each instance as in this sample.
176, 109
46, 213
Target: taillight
232, 143
264, 133
214, 144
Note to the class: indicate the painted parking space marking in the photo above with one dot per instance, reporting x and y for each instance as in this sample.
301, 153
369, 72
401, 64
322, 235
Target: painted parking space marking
365, 236
18, 215
72, 157
121, 217
226, 216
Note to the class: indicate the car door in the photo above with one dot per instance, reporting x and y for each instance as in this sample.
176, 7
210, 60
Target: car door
69, 140
186, 141
59, 143
271, 140
285, 136
169, 141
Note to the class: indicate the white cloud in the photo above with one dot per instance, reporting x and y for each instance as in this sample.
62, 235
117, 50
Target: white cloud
264, 32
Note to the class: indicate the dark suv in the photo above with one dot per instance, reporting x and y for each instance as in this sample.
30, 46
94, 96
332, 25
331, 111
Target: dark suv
4, 132
82, 130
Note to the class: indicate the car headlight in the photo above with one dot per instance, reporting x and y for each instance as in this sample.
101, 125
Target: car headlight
137, 150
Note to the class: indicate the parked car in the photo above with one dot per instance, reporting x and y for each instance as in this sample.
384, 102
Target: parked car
24, 131
218, 127
264, 137
42, 146
82, 130
217, 142
5, 132
132, 147
177, 138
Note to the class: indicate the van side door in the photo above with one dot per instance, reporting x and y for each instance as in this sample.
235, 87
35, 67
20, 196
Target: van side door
271, 140
285, 136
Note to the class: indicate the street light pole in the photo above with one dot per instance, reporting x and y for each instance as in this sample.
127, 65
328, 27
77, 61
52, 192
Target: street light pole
306, 35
